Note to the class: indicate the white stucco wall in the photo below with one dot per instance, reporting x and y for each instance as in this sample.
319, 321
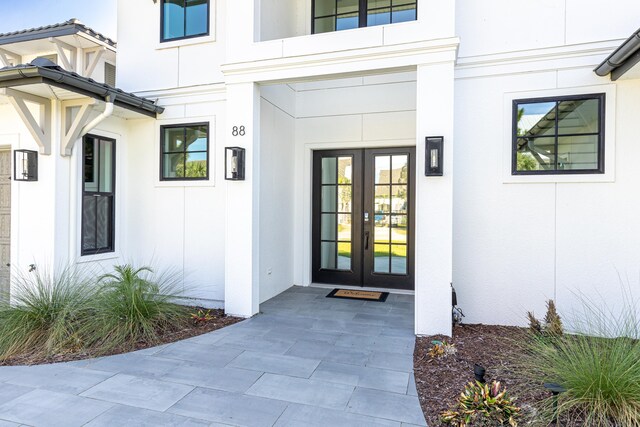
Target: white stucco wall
517, 244
144, 63
277, 182
178, 225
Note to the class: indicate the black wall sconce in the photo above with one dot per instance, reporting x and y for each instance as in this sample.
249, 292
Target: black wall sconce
234, 163
434, 156
25, 165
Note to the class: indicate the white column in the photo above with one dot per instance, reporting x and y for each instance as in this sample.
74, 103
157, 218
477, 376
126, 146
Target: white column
242, 207
434, 201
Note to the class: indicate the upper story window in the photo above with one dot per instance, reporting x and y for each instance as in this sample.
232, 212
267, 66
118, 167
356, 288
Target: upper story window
559, 135
336, 15
183, 19
184, 152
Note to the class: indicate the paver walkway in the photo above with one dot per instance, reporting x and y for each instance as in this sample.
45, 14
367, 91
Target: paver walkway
306, 360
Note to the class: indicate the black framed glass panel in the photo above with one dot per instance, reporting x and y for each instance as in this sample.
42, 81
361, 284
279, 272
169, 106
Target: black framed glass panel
336, 15
184, 152
391, 200
336, 214
562, 135
184, 19
98, 195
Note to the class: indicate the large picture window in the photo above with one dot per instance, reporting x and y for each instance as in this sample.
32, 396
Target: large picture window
559, 135
184, 152
183, 19
98, 195
336, 15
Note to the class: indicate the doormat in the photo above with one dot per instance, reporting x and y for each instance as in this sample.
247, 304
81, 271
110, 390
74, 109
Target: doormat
360, 295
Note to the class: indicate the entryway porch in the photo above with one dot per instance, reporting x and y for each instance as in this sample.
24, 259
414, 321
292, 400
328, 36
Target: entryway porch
304, 360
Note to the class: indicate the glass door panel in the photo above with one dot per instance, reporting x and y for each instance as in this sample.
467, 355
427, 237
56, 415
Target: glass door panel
363, 217
388, 195
337, 211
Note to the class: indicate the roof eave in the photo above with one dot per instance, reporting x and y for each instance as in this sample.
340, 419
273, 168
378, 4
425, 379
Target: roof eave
35, 75
66, 29
622, 59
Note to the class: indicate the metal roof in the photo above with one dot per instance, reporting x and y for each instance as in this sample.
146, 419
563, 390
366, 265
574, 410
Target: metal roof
41, 70
70, 27
622, 59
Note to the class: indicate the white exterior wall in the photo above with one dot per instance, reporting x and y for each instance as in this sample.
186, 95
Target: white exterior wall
46, 214
521, 240
507, 243
277, 182
145, 64
178, 224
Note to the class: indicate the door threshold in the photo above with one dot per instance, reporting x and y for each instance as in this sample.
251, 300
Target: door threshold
361, 288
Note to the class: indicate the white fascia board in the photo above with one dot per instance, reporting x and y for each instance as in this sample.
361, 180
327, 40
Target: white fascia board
216, 90
343, 62
585, 54
98, 42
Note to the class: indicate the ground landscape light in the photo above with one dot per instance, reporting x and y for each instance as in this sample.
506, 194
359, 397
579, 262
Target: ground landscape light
434, 156
234, 163
25, 165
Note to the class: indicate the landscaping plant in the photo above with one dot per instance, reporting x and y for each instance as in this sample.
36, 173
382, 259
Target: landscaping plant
441, 349
598, 364
133, 305
45, 315
483, 405
552, 322
201, 316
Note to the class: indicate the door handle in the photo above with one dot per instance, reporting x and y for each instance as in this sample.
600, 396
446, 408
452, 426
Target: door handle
366, 240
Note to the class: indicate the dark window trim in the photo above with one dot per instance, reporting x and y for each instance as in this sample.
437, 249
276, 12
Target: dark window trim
162, 152
362, 13
163, 39
111, 194
601, 97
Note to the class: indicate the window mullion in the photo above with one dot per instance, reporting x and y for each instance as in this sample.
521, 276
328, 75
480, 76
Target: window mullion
362, 13
184, 17
557, 131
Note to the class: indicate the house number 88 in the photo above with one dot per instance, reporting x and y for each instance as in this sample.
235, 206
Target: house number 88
238, 131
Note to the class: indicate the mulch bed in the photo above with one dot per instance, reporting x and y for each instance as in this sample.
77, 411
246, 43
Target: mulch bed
219, 320
440, 381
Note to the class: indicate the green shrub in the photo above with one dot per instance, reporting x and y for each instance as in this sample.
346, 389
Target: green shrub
45, 313
598, 364
552, 322
132, 306
483, 405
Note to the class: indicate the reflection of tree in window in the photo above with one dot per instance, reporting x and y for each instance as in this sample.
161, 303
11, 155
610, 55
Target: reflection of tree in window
185, 152
558, 134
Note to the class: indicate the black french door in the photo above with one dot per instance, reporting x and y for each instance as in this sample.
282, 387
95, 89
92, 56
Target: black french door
363, 221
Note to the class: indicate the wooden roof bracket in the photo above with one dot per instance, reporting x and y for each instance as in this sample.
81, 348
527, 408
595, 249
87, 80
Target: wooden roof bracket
72, 126
6, 57
39, 128
69, 62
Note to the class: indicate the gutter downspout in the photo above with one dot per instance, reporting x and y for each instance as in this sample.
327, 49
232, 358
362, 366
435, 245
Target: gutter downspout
108, 111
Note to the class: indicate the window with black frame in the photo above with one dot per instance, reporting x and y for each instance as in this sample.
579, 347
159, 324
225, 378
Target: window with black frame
183, 19
559, 135
184, 152
337, 15
98, 195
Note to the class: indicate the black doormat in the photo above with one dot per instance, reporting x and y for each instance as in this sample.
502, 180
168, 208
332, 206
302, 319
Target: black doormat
359, 295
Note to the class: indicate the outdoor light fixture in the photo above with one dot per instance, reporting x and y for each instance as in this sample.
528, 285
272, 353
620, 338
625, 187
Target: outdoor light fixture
434, 156
234, 164
479, 372
25, 165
